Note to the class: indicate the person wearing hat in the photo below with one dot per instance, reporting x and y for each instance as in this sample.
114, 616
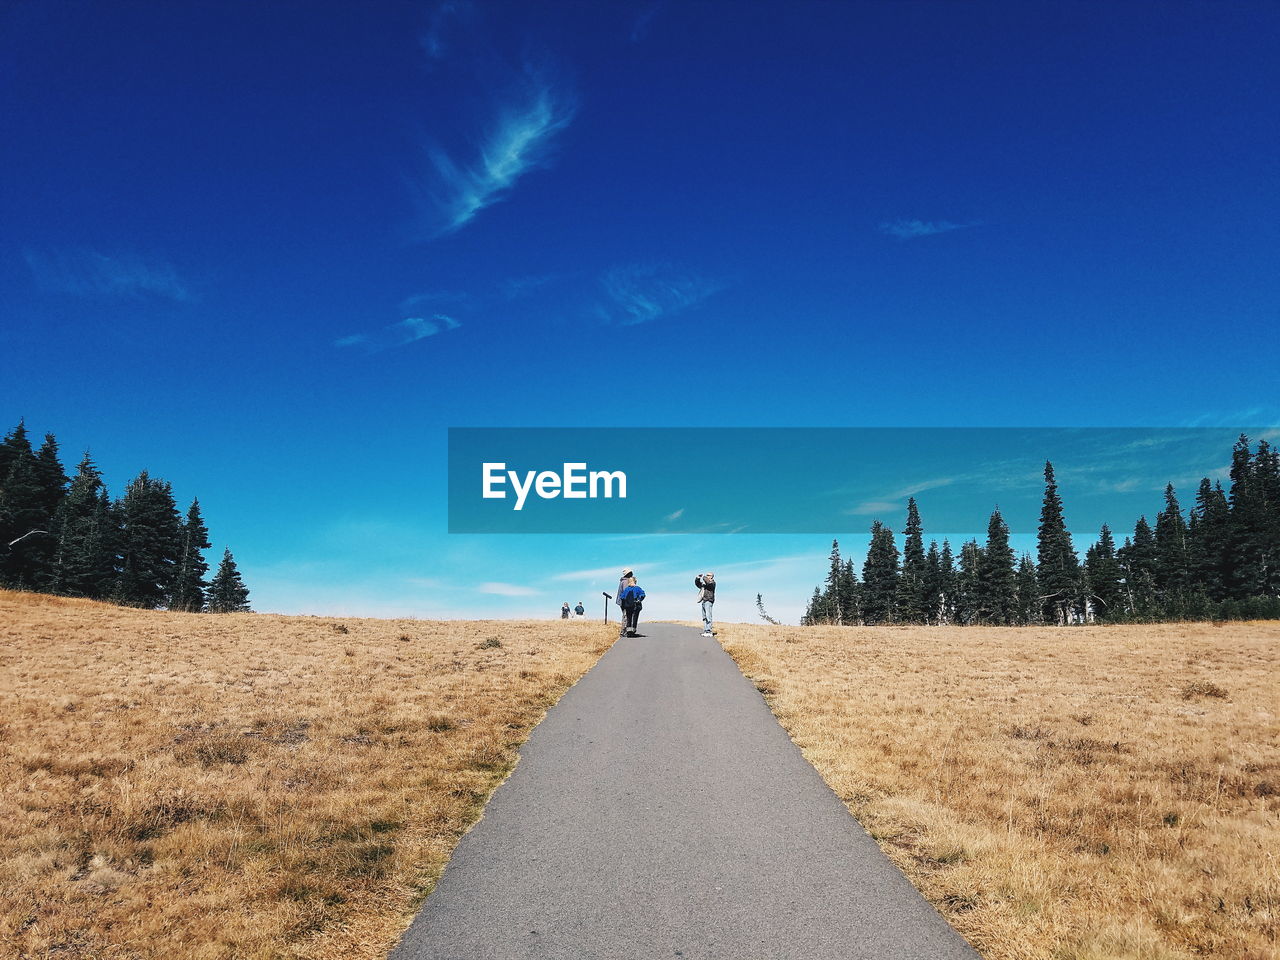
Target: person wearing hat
706, 584
630, 599
627, 573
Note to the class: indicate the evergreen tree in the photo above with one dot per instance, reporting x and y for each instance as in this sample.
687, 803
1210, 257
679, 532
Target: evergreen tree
1056, 562
189, 582
84, 559
15, 444
880, 577
50, 477
911, 606
1028, 591
814, 613
150, 542
968, 602
1103, 577
932, 592
1138, 560
850, 594
948, 584
997, 592
1266, 472
24, 523
1172, 570
840, 596
227, 592
1248, 573
1210, 542
831, 594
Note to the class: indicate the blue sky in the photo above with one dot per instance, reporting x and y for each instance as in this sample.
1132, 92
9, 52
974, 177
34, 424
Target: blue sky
272, 252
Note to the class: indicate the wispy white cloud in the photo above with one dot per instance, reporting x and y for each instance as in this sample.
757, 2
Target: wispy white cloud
434, 39
1249, 416
88, 273
499, 589
674, 516
911, 229
406, 331
870, 507
639, 292
414, 302
640, 26
520, 138
518, 288
596, 573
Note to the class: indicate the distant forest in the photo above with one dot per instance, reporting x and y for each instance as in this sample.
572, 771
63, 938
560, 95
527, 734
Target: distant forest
65, 535
1222, 562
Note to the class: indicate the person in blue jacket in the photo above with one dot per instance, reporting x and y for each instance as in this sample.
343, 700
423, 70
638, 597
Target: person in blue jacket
630, 599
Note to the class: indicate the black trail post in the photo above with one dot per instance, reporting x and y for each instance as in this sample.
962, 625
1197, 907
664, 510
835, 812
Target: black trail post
607, 598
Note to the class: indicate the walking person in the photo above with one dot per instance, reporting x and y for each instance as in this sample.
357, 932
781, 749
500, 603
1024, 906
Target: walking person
631, 599
564, 611
580, 611
706, 584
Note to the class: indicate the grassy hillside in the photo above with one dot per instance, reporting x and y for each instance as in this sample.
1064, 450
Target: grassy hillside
1108, 793
200, 786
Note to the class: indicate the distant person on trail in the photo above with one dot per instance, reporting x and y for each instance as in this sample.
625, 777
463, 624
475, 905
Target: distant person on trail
580, 610
564, 611
631, 599
706, 584
627, 573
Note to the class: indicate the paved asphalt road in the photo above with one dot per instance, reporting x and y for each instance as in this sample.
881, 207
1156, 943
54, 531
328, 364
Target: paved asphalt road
660, 811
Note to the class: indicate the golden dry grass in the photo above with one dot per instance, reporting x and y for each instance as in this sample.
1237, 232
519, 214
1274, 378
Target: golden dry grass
1099, 793
249, 786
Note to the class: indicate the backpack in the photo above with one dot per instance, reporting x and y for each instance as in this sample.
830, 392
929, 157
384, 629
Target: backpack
632, 596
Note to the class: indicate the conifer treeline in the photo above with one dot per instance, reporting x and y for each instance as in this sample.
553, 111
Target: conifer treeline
65, 535
1220, 562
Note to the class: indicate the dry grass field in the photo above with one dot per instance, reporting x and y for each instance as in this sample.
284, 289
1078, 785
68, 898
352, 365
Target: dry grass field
244, 785
1108, 793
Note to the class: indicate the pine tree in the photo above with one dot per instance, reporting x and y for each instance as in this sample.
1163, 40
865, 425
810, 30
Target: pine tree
1103, 577
24, 523
1056, 562
1172, 562
880, 576
814, 613
189, 582
835, 610
50, 476
1028, 589
1138, 559
968, 593
1210, 542
948, 584
1247, 574
227, 592
15, 444
911, 606
150, 542
932, 591
84, 559
997, 592
850, 594
1266, 472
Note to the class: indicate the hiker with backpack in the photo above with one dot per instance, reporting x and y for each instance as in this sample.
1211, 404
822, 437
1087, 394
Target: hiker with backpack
706, 584
630, 599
